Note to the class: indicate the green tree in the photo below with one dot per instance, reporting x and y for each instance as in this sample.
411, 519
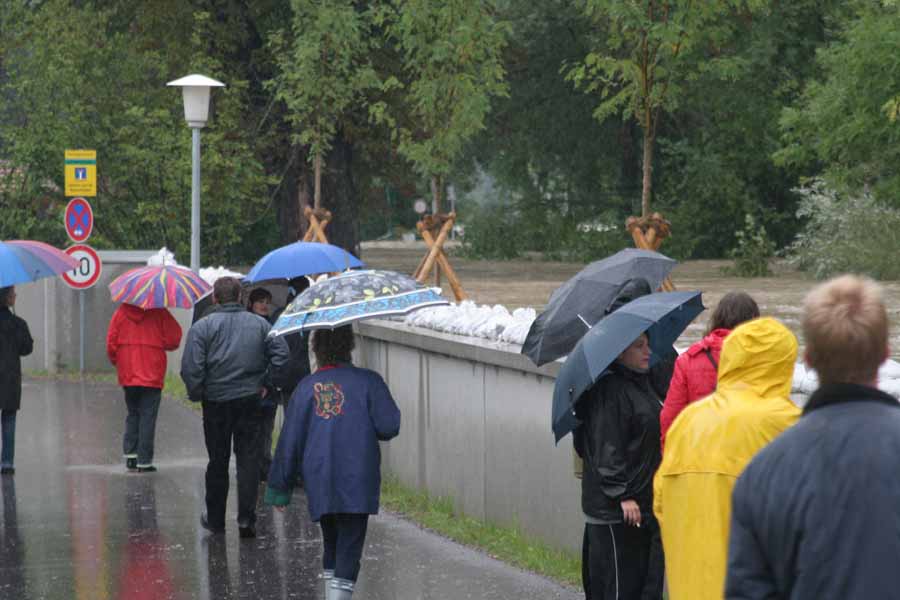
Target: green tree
82, 77
644, 54
452, 68
839, 127
324, 69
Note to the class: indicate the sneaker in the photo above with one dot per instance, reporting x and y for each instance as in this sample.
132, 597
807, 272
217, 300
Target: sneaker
7, 471
204, 523
131, 464
150, 469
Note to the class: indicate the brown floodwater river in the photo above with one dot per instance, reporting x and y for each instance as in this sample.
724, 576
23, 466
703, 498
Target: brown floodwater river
518, 283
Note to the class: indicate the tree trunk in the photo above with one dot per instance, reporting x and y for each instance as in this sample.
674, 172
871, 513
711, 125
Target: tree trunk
435, 194
343, 197
648, 174
337, 183
292, 197
317, 162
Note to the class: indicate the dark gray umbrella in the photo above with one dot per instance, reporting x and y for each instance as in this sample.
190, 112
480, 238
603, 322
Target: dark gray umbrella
583, 300
663, 316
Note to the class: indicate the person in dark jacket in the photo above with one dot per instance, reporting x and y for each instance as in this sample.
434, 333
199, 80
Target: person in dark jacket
15, 342
136, 344
260, 303
816, 514
296, 369
330, 441
621, 453
298, 342
658, 377
228, 358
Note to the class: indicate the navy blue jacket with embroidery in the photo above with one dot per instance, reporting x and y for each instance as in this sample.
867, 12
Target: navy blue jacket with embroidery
329, 441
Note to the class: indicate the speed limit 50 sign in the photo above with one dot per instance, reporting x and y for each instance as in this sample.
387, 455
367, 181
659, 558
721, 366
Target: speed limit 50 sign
87, 272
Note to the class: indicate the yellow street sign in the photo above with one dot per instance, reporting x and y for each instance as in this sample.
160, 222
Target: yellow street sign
81, 172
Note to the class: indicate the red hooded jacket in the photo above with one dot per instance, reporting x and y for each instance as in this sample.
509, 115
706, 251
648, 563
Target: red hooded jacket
137, 343
694, 378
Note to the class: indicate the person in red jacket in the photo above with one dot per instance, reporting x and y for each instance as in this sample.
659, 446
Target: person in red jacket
136, 344
695, 370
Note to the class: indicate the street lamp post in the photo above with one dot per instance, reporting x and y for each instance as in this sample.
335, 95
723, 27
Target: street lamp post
196, 91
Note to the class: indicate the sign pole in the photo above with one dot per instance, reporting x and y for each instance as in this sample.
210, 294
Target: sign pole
81, 332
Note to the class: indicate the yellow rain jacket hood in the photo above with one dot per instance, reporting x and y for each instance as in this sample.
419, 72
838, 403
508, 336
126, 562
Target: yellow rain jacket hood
708, 446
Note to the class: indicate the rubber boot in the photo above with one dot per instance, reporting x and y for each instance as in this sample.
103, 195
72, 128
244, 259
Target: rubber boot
327, 576
341, 589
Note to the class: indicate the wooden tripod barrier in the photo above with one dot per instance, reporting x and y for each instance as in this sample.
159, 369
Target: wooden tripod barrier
648, 233
318, 221
437, 257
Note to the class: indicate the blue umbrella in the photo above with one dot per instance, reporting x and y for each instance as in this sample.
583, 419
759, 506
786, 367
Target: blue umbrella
663, 316
22, 261
301, 258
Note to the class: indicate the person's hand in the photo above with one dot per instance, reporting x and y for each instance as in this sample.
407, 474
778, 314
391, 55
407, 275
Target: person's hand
632, 512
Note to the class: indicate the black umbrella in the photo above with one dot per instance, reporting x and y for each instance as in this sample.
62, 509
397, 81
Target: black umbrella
663, 316
583, 300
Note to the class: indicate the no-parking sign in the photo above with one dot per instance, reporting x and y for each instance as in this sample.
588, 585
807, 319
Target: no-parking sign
87, 272
79, 219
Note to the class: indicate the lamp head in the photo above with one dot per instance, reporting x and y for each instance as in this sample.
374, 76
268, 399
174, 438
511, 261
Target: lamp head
195, 89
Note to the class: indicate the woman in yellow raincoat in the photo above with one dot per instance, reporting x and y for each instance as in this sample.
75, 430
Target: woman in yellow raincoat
708, 446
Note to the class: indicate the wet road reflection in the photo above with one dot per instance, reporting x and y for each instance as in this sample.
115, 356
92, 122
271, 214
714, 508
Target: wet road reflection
75, 524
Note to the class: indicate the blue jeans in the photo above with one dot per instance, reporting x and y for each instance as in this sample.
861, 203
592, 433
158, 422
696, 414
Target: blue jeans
8, 427
140, 424
343, 538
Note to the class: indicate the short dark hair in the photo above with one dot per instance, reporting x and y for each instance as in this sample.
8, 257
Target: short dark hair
733, 309
227, 289
299, 284
334, 345
5, 293
259, 294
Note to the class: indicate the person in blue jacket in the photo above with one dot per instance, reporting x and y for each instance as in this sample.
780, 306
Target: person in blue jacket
329, 444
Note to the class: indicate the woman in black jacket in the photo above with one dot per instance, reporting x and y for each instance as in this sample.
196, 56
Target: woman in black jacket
621, 453
15, 342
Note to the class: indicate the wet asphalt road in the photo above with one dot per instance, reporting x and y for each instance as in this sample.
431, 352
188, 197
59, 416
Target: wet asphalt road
75, 524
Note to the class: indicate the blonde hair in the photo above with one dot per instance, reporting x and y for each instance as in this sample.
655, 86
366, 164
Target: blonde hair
845, 326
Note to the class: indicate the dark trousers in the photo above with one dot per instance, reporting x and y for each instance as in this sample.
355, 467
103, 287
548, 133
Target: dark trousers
265, 441
625, 562
240, 420
140, 424
8, 425
343, 538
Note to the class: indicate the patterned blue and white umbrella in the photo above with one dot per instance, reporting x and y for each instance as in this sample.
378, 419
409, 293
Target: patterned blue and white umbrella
354, 296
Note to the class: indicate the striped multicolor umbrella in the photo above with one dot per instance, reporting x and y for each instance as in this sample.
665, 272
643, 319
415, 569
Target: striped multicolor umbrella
22, 261
158, 287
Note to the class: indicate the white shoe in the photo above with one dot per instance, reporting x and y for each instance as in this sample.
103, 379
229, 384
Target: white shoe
327, 576
340, 589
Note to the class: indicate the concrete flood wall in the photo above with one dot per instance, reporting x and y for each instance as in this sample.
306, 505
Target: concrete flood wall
476, 427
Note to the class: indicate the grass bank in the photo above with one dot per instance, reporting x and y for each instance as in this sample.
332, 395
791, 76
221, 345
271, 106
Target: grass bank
71, 376
509, 544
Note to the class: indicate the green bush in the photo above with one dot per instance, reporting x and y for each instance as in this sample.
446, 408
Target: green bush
754, 250
491, 233
845, 233
495, 232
